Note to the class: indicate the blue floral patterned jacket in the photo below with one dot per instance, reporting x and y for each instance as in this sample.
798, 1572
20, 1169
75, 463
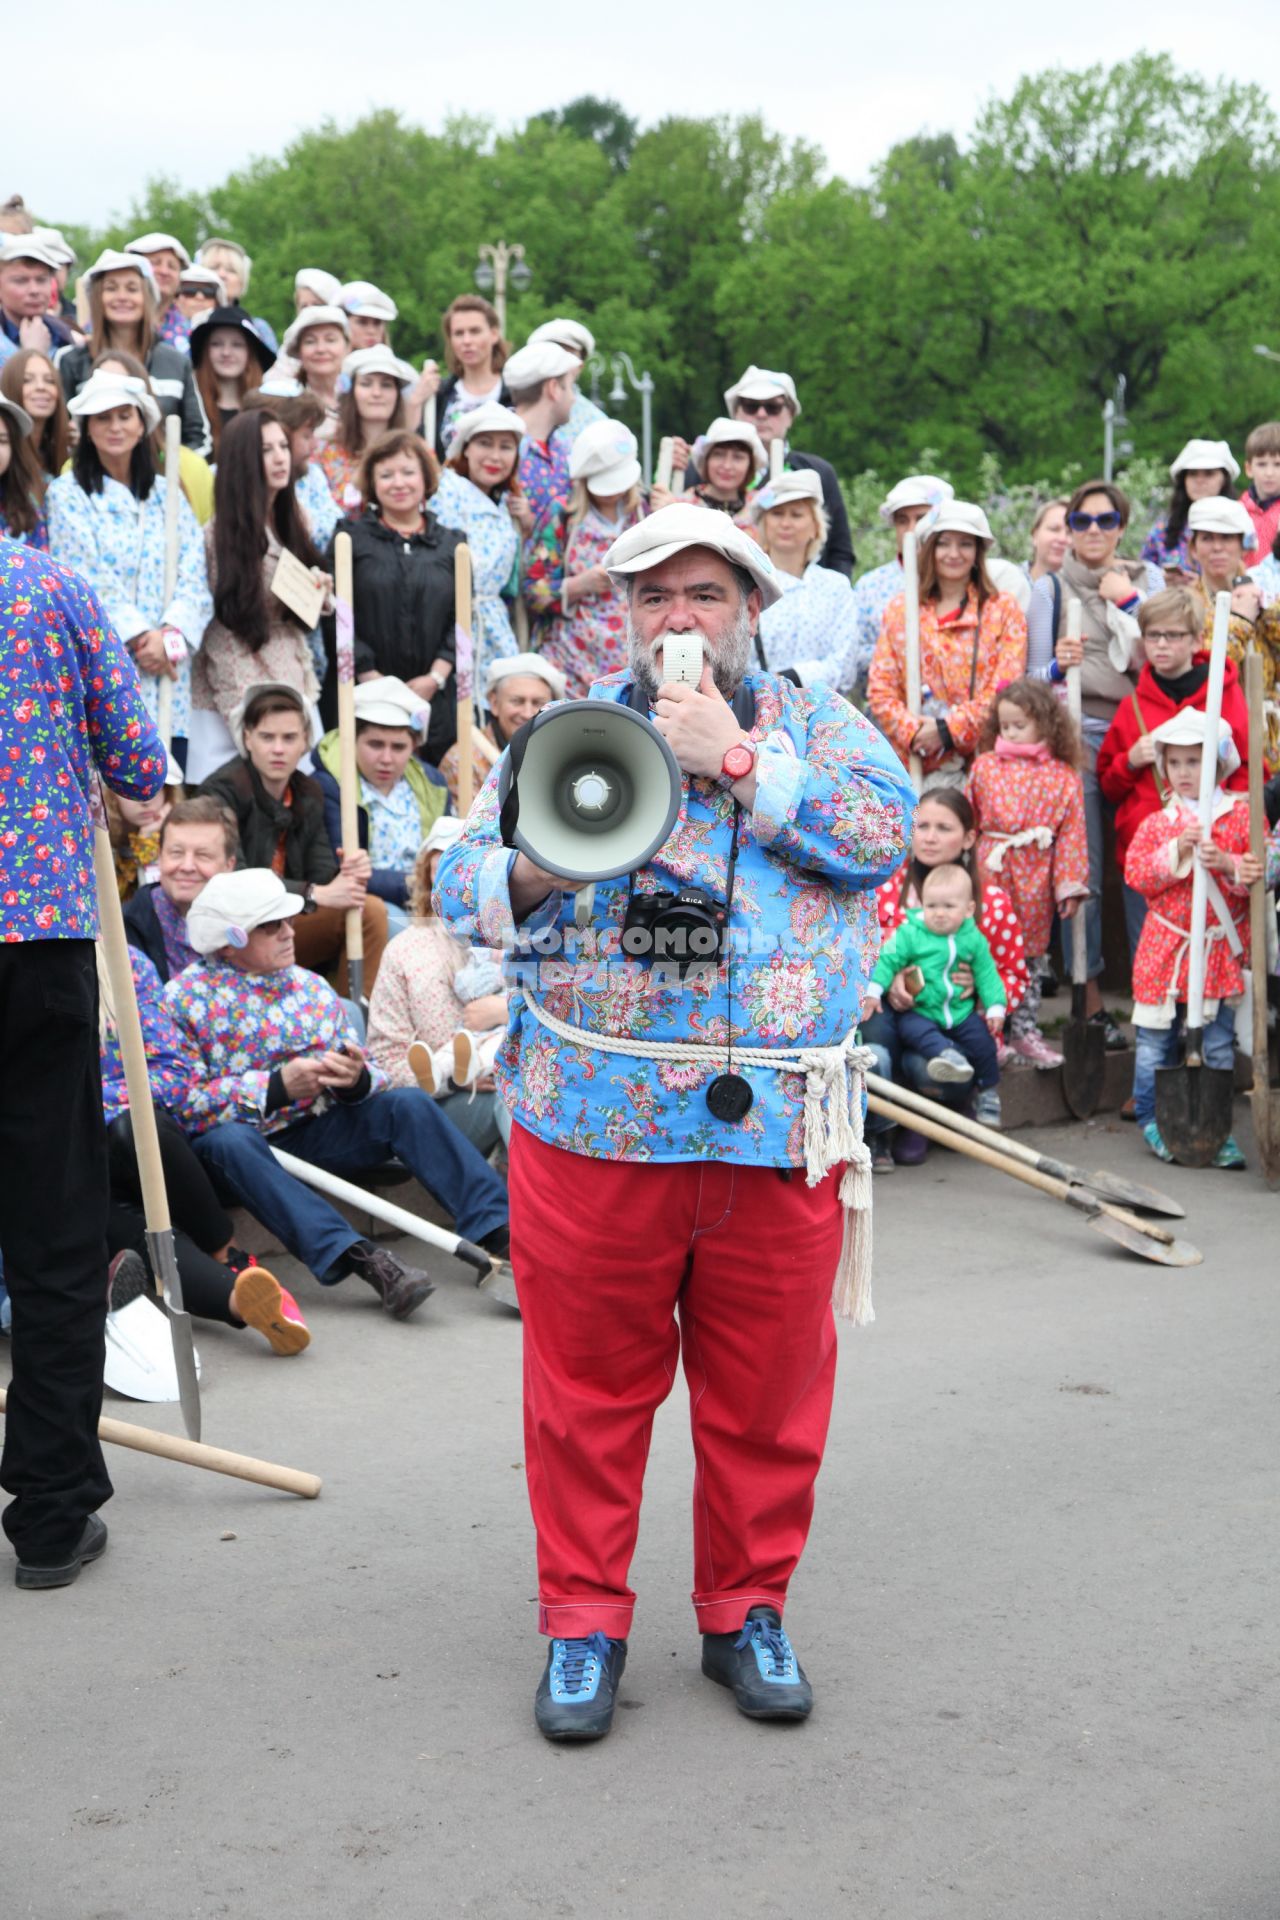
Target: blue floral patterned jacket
832, 818
71, 707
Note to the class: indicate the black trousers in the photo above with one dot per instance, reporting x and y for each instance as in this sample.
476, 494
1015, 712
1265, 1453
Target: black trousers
200, 1225
53, 1217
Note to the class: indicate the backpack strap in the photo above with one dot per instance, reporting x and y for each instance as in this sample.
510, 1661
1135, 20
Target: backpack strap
1162, 792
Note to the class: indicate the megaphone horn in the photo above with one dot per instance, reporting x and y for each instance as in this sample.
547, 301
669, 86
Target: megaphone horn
588, 790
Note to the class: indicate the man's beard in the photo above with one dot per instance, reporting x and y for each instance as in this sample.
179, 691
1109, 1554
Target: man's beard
728, 662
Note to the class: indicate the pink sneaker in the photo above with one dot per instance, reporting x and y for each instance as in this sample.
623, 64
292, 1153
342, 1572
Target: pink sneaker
261, 1302
1035, 1048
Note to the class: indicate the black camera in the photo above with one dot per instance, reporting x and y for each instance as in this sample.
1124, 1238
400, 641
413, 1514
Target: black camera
686, 929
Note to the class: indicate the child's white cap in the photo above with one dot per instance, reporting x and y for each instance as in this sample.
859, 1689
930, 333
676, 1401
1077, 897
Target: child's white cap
1187, 729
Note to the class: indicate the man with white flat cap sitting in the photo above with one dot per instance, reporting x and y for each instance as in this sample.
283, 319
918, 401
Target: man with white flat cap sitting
910, 507
280, 1063
671, 1192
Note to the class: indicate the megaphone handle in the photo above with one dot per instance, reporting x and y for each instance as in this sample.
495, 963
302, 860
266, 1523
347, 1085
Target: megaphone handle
583, 904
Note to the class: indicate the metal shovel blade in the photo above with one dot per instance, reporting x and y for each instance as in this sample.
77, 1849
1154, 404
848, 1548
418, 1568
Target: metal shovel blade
1167, 1253
1084, 1061
1193, 1108
1129, 1193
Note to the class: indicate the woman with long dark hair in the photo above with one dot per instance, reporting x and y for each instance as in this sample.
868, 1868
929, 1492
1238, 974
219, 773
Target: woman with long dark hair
230, 357
107, 523
1204, 469
30, 379
21, 481
122, 314
253, 637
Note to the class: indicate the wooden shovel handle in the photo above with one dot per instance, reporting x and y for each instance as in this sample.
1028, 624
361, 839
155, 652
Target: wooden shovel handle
466, 704
115, 946
348, 775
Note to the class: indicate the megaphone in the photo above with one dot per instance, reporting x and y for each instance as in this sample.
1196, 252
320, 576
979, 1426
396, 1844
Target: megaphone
588, 790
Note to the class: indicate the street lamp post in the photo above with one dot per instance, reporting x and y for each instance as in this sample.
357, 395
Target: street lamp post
643, 385
498, 261
1267, 353
1113, 416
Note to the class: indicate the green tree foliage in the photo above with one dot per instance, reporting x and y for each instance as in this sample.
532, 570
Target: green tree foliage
977, 299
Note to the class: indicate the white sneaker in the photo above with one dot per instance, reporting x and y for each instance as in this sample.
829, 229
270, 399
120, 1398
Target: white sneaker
466, 1059
986, 1108
950, 1067
420, 1066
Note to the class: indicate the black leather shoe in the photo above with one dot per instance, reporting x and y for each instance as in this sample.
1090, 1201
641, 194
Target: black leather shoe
576, 1694
760, 1665
402, 1289
91, 1545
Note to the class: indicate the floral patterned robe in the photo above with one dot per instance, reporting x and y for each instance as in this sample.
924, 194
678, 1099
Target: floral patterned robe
1011, 793
494, 540
1155, 868
831, 819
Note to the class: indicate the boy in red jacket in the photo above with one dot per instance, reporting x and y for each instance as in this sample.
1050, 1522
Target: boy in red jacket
1261, 498
1172, 681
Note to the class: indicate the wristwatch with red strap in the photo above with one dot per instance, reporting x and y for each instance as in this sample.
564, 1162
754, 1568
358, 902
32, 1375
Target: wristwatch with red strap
738, 762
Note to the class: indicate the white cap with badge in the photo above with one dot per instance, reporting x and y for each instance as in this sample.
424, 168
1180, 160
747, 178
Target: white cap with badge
228, 908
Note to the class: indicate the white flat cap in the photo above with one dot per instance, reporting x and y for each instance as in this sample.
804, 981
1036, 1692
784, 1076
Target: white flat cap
388, 702
917, 490
570, 334
111, 260
539, 360
682, 525
724, 432
158, 243
326, 286
1220, 515
961, 516
516, 664
104, 390
53, 241
1187, 728
228, 908
604, 456
310, 718
801, 485
313, 317
21, 419
491, 417
205, 280
25, 246
378, 359
1205, 456
362, 297
446, 829
762, 383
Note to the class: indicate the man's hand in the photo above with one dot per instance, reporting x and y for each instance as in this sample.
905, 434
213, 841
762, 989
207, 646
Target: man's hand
357, 865
340, 1071
303, 1077
34, 335
346, 891
1143, 752
697, 723
530, 885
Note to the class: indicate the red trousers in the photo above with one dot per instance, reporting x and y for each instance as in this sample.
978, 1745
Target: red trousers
621, 1266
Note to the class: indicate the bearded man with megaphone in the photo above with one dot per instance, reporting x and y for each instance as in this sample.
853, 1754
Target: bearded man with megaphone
682, 871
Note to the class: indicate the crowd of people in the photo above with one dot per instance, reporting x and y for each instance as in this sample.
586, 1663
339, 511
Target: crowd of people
207, 587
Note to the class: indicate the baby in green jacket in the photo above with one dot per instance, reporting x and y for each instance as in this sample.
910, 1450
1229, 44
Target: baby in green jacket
956, 1042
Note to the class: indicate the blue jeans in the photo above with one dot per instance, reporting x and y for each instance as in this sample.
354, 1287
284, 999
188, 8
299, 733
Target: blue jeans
1158, 1047
345, 1140
904, 1066
970, 1036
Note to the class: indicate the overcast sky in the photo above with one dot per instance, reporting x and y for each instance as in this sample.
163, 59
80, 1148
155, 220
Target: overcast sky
195, 94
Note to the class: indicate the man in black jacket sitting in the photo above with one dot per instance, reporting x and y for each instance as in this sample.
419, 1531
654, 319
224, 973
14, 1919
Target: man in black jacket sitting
769, 402
280, 816
198, 838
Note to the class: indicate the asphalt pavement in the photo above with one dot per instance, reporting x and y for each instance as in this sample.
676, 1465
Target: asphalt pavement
1038, 1609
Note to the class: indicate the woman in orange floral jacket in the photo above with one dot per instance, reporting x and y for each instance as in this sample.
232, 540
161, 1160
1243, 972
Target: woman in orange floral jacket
973, 639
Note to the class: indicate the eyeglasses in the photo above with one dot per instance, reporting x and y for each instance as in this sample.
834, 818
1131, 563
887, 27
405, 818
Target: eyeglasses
772, 407
269, 926
1181, 634
1104, 522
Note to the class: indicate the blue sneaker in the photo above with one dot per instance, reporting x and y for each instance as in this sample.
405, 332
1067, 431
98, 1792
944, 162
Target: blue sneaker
760, 1665
1151, 1134
1229, 1155
576, 1694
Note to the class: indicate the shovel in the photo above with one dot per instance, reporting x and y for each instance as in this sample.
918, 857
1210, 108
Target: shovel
172, 503
911, 610
1107, 1186
1266, 1112
1114, 1223
1193, 1101
1084, 1046
348, 774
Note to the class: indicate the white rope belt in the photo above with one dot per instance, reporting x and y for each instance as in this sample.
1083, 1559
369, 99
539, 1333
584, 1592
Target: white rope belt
833, 1094
1041, 837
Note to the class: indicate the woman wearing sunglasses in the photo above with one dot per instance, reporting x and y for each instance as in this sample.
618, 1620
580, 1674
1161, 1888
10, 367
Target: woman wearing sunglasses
1109, 590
